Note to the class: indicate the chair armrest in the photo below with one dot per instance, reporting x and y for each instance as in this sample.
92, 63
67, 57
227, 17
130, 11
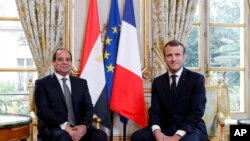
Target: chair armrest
221, 119
97, 121
33, 117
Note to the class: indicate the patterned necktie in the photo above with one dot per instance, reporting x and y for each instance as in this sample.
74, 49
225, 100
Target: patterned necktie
67, 95
173, 85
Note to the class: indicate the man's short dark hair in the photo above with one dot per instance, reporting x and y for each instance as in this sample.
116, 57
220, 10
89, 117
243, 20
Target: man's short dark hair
174, 43
54, 55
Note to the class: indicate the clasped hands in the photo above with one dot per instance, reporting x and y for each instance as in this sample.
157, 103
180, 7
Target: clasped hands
159, 136
76, 132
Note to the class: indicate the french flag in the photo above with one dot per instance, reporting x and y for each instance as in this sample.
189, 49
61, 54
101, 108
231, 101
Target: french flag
127, 97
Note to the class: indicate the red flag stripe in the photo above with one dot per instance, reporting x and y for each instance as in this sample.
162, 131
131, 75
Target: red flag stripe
129, 92
92, 33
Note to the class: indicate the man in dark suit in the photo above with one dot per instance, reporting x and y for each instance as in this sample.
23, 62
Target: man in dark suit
177, 102
62, 119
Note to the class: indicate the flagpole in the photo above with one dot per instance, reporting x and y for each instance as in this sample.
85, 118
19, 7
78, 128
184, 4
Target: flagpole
127, 95
112, 121
124, 131
110, 53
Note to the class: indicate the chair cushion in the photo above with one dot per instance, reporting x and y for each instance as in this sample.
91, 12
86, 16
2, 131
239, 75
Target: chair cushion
210, 115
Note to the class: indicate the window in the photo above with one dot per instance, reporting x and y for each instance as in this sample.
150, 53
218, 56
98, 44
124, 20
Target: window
227, 48
16, 62
192, 44
23, 77
219, 36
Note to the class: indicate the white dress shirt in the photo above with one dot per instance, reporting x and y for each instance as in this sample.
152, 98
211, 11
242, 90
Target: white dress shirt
59, 77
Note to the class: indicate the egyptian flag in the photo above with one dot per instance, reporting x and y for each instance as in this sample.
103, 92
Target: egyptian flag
92, 68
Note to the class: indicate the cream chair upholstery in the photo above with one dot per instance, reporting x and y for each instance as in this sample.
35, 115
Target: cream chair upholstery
216, 111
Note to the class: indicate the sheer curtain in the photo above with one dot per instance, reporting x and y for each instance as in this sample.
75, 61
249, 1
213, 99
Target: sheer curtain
43, 22
248, 3
171, 19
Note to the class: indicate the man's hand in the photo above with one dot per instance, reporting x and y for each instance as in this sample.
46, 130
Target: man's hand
76, 132
80, 131
175, 137
159, 136
69, 130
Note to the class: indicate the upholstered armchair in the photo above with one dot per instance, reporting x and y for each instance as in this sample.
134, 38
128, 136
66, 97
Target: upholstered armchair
217, 110
34, 123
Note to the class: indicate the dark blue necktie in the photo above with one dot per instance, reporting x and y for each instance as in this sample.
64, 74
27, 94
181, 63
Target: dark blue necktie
173, 85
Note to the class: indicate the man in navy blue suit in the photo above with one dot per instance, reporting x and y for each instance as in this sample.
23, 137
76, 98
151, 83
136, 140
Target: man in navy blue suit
58, 120
177, 103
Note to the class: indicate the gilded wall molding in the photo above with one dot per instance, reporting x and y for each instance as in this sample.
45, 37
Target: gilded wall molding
147, 69
68, 10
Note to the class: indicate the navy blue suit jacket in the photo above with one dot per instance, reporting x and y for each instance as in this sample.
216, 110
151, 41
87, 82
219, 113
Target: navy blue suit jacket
51, 106
183, 111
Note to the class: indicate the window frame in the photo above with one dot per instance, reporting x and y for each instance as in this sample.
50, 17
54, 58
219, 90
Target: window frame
204, 25
20, 96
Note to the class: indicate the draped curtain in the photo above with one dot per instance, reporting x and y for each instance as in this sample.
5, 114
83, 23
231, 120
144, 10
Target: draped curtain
171, 19
43, 22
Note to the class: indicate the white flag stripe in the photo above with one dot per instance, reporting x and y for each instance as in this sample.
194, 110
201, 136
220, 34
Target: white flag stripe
129, 42
94, 74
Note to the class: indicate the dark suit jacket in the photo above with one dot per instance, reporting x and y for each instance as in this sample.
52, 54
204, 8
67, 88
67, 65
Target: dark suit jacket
51, 106
183, 111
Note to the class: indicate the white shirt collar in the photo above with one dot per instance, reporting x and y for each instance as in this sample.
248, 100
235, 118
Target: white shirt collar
178, 73
59, 77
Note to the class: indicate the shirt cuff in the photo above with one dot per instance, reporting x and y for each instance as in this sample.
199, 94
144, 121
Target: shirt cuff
181, 133
154, 127
64, 125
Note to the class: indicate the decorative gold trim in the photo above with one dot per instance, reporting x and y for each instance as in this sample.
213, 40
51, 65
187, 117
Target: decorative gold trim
120, 138
147, 70
67, 23
147, 90
158, 53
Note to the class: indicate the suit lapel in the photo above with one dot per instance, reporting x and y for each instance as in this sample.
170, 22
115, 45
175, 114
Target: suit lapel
167, 94
181, 83
55, 83
73, 92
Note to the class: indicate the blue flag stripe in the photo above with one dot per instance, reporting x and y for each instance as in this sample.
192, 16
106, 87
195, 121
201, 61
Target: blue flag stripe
128, 15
